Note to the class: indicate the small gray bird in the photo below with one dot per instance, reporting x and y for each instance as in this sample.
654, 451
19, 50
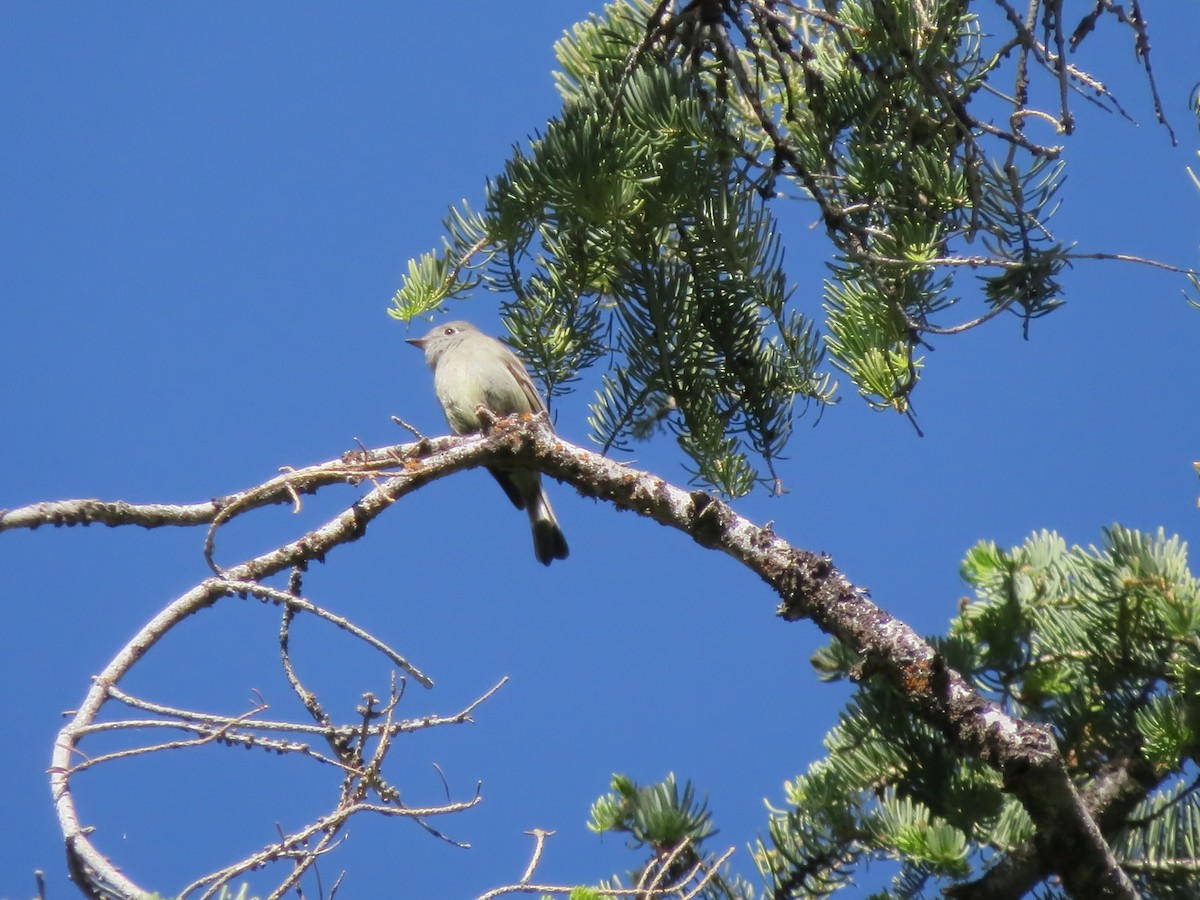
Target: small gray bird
471, 369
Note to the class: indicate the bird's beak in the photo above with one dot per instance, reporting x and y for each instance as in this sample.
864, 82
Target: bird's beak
419, 343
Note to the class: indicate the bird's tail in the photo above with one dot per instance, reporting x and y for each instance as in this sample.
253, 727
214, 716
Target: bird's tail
524, 489
549, 543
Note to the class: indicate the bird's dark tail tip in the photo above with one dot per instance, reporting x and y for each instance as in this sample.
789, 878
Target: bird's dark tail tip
549, 543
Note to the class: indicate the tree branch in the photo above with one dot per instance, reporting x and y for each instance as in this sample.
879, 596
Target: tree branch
811, 587
1068, 839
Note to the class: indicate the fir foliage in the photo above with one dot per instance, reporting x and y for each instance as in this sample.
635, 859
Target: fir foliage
629, 232
1101, 644
634, 232
674, 826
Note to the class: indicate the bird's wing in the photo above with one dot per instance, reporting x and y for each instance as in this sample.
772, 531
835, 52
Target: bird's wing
521, 375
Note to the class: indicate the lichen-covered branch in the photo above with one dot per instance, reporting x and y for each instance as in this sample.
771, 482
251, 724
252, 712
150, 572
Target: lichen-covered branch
808, 585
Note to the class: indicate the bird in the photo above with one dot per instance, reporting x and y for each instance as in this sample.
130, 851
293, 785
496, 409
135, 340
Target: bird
471, 369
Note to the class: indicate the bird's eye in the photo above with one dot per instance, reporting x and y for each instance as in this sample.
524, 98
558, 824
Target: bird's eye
449, 331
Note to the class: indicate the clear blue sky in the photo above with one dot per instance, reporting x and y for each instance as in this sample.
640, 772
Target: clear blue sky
205, 212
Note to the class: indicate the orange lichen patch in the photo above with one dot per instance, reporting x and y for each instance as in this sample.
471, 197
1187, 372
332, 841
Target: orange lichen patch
916, 680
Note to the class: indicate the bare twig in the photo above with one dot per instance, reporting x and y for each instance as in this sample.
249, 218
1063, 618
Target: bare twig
539, 837
691, 884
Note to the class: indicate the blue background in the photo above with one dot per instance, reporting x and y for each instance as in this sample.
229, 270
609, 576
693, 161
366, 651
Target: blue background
205, 213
